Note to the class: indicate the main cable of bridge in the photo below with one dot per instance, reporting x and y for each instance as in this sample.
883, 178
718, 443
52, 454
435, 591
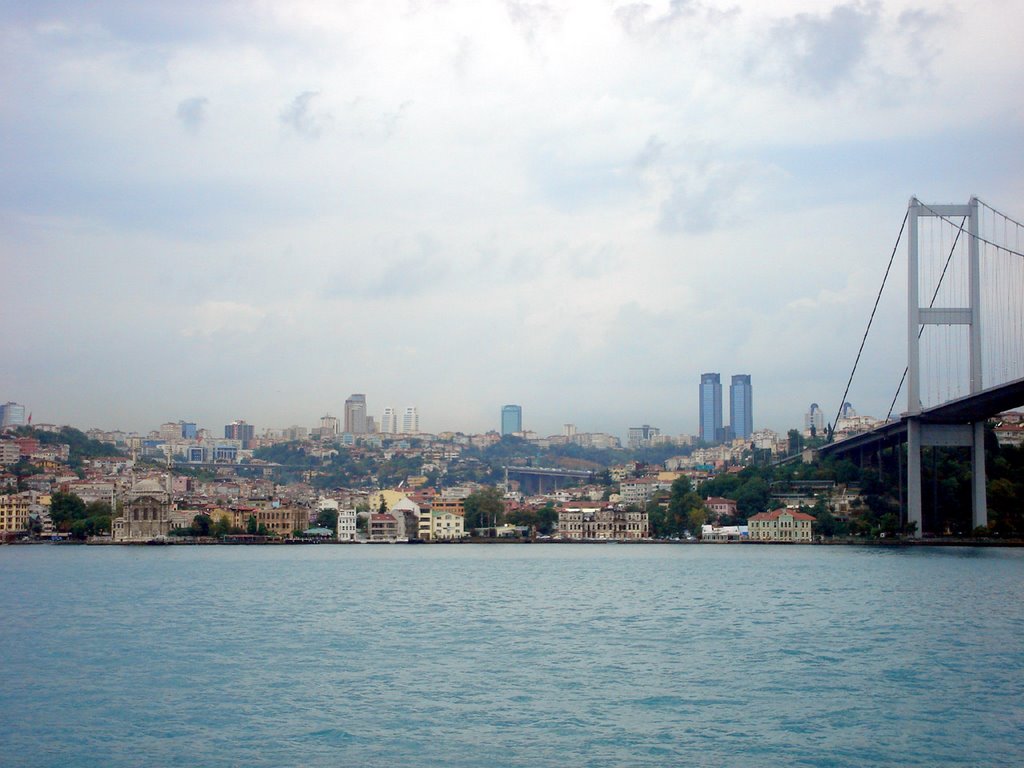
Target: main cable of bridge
867, 330
979, 238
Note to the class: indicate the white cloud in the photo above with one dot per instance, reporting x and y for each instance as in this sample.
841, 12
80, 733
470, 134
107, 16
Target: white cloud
585, 203
213, 318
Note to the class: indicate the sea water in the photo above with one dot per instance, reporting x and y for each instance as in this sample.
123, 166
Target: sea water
539, 655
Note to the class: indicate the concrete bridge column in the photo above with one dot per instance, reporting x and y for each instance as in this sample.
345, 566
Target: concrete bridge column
979, 500
914, 475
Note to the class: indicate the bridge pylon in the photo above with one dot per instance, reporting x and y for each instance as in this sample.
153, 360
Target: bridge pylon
927, 433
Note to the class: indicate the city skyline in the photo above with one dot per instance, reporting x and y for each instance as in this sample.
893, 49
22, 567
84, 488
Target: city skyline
234, 209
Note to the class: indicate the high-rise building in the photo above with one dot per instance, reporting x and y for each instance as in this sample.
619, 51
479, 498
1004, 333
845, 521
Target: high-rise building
12, 415
511, 419
389, 421
741, 406
328, 427
814, 421
642, 437
355, 414
239, 430
189, 430
411, 421
711, 430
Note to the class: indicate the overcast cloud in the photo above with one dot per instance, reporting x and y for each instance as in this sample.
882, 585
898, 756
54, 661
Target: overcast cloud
214, 211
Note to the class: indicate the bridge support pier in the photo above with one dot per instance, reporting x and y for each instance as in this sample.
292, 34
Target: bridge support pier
914, 475
926, 435
979, 499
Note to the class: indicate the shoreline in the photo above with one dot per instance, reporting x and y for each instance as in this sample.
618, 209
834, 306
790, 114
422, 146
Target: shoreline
932, 542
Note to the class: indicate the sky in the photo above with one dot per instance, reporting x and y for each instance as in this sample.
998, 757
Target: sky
249, 210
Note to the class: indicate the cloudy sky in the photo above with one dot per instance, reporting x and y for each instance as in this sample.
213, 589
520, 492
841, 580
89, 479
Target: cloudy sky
222, 210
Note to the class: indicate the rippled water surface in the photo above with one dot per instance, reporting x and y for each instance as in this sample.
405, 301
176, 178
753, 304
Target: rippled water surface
552, 655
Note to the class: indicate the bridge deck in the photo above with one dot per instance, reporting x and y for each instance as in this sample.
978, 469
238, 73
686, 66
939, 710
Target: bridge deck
964, 410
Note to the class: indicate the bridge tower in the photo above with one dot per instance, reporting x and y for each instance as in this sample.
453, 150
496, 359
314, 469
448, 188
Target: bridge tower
923, 433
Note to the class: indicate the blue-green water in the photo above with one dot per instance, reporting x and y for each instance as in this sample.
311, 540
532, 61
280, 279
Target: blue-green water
550, 655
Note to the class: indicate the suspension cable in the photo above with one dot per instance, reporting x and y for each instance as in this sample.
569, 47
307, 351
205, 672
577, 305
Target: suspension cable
931, 304
878, 298
979, 238
1000, 213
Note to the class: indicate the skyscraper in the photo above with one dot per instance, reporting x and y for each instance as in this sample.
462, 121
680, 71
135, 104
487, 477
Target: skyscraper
411, 421
389, 421
12, 415
741, 406
355, 414
511, 419
239, 430
328, 427
711, 408
814, 421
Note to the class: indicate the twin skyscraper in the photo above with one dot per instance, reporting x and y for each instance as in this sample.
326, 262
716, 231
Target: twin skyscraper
741, 408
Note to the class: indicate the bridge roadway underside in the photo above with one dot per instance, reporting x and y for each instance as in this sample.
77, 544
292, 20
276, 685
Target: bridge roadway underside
964, 410
536, 480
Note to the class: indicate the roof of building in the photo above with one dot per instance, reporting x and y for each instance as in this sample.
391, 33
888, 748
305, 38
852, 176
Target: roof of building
719, 500
776, 514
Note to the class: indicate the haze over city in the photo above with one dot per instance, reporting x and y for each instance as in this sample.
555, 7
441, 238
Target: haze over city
219, 211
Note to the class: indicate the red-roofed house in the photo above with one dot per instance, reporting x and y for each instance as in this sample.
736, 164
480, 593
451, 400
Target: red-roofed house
780, 525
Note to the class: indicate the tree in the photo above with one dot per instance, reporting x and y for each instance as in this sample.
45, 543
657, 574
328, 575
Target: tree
328, 518
484, 508
201, 525
795, 441
696, 518
250, 526
65, 508
221, 527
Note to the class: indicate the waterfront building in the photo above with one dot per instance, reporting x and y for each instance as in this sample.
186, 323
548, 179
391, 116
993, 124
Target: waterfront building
382, 527
14, 513
723, 533
741, 408
347, 528
441, 525
407, 515
711, 430
147, 513
511, 419
276, 520
355, 414
781, 525
582, 521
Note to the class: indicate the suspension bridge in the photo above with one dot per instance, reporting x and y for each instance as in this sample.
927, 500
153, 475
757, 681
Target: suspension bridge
965, 344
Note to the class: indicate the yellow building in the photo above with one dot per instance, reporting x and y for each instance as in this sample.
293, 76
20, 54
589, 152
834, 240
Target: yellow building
281, 521
14, 510
780, 525
390, 499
